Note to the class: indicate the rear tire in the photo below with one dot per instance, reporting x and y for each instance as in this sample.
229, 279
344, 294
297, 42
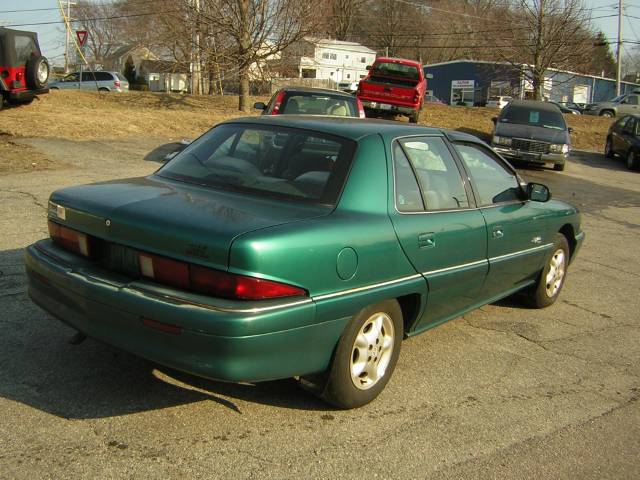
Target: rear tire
553, 275
413, 118
103, 90
364, 359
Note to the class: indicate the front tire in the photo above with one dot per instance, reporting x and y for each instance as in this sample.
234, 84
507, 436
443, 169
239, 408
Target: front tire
558, 167
552, 278
607, 113
608, 148
365, 357
632, 160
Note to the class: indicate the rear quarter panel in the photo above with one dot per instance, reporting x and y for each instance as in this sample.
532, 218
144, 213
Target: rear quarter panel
353, 247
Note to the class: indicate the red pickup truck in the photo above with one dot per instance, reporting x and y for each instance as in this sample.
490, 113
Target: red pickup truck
394, 85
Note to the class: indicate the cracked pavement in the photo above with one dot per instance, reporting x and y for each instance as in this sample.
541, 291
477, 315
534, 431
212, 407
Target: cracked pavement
503, 392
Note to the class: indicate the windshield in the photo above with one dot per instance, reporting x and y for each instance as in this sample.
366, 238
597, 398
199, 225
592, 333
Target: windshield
266, 161
617, 99
532, 116
392, 69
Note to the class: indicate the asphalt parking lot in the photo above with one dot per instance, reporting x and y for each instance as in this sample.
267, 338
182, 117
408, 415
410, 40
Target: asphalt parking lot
503, 392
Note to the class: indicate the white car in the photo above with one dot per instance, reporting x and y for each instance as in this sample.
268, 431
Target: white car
498, 101
348, 86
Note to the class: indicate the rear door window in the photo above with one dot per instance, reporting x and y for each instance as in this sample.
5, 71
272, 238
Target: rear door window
437, 174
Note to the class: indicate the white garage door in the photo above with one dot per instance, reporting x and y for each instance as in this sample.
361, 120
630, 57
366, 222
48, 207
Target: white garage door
581, 94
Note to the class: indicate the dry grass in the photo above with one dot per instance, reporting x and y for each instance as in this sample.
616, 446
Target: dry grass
588, 132
90, 115
16, 158
87, 115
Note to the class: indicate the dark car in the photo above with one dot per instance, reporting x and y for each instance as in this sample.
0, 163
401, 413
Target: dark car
532, 132
566, 109
312, 101
24, 72
623, 139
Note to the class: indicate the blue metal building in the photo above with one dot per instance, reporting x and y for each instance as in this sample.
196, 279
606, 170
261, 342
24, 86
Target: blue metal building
471, 82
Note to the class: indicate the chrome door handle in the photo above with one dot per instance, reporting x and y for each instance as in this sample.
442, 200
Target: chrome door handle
497, 233
426, 240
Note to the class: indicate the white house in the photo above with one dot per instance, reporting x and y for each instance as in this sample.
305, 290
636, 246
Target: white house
333, 60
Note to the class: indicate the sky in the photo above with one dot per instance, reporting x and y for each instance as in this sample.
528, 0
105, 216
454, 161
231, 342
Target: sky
52, 37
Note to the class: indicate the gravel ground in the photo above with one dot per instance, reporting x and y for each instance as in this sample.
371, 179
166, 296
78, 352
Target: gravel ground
503, 392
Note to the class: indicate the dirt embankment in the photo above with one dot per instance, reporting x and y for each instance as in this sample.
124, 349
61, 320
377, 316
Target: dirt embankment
90, 115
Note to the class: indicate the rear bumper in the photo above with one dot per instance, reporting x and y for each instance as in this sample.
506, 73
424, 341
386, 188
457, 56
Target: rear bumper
25, 94
533, 158
388, 107
223, 341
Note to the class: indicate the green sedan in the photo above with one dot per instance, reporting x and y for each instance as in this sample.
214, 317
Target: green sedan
279, 247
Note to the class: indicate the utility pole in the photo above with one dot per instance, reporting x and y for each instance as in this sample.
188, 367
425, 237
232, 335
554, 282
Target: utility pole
67, 38
196, 83
619, 53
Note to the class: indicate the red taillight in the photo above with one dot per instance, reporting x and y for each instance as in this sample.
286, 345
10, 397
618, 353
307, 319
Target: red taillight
416, 97
116, 83
212, 282
70, 240
360, 108
164, 270
278, 103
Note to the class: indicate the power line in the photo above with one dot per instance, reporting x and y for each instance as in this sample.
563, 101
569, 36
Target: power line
113, 17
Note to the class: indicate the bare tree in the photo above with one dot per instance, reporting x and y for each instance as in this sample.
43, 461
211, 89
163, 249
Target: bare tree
257, 30
344, 15
104, 33
554, 35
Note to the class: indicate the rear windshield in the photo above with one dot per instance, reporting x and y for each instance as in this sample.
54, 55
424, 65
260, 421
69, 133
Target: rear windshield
532, 116
392, 69
319, 104
266, 161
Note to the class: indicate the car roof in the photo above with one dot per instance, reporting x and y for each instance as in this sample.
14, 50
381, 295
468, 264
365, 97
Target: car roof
325, 91
351, 127
548, 106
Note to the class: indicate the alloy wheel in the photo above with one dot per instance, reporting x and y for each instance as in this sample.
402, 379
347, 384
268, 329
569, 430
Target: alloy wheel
372, 351
554, 278
43, 72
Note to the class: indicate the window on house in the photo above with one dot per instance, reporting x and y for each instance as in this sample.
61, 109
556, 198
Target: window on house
346, 56
348, 75
363, 59
325, 55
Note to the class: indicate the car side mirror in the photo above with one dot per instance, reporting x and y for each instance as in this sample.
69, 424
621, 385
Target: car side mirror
428, 75
259, 106
570, 130
368, 67
538, 192
494, 120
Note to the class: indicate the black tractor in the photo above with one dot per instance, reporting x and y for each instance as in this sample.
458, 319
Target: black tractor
24, 72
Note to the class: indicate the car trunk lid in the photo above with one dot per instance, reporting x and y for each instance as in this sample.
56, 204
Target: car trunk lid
169, 218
